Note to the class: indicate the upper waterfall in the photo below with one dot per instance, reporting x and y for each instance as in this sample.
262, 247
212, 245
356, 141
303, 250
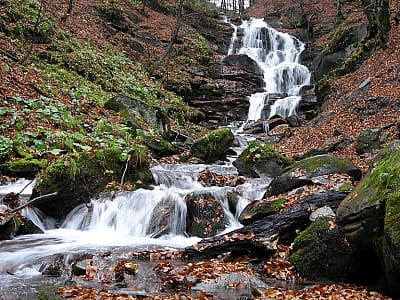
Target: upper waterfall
278, 56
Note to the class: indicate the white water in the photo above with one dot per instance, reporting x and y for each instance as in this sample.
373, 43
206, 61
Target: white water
122, 221
278, 55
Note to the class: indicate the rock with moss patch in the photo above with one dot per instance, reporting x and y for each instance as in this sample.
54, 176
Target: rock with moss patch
370, 216
320, 253
27, 168
205, 215
133, 110
261, 160
213, 145
257, 210
78, 177
368, 140
301, 173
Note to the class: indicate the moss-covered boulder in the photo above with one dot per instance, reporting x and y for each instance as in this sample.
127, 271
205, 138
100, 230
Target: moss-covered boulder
213, 145
27, 168
135, 110
261, 160
78, 177
301, 173
257, 210
370, 215
321, 253
205, 215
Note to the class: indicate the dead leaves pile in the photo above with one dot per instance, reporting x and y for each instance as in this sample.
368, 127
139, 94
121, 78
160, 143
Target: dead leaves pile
79, 292
322, 292
186, 276
209, 178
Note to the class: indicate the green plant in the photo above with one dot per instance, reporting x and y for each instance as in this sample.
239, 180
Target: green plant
6, 147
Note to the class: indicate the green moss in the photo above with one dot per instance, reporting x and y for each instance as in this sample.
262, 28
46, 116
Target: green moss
319, 253
352, 61
342, 37
49, 293
258, 152
323, 89
213, 145
25, 165
321, 161
346, 188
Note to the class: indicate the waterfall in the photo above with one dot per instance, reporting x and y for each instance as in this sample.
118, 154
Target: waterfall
278, 55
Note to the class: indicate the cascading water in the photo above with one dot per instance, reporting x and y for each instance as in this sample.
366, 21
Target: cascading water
116, 221
278, 55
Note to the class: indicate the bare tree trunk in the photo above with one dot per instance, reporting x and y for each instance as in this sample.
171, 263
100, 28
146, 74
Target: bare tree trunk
173, 38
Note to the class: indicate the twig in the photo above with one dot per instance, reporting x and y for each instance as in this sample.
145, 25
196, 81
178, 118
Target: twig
34, 200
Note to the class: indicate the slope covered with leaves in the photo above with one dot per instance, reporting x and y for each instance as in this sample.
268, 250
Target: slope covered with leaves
59, 67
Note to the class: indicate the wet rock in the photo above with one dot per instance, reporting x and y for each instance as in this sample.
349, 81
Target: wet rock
28, 227
301, 173
370, 218
255, 127
54, 269
260, 160
368, 140
213, 145
321, 253
9, 226
132, 109
244, 62
161, 218
159, 147
205, 215
259, 209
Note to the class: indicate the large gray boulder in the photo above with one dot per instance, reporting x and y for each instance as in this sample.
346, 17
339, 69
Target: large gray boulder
302, 172
370, 216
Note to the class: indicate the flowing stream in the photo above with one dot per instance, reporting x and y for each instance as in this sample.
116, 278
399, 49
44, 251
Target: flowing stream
123, 221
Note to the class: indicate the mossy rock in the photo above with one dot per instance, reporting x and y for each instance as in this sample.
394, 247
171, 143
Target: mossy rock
312, 167
49, 293
135, 109
159, 147
320, 253
368, 140
27, 168
213, 145
78, 177
257, 210
370, 215
261, 160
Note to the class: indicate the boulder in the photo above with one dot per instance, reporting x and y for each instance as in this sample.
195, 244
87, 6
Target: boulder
160, 223
320, 253
213, 145
78, 177
259, 209
370, 217
368, 140
301, 173
205, 215
133, 109
260, 160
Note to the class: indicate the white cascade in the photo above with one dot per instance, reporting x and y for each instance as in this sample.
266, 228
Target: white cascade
278, 55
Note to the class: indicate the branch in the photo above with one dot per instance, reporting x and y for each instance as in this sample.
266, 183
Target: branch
35, 200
